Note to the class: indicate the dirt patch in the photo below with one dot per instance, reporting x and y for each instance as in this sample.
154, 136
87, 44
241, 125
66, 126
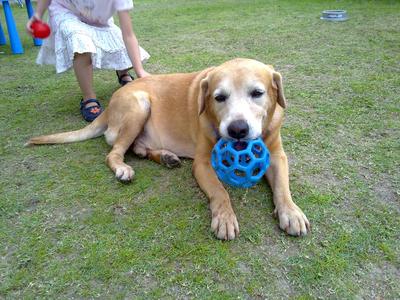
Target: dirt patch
63, 215
118, 209
386, 193
380, 282
382, 187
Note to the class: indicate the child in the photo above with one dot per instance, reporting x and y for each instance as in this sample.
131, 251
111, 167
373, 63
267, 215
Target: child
85, 37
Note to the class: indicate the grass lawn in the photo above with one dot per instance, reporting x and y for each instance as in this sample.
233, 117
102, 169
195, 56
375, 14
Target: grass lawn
68, 229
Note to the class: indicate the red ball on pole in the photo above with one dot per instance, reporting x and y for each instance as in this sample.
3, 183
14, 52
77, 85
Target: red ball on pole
40, 29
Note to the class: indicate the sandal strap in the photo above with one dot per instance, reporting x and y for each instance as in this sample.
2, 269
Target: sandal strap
122, 81
83, 103
123, 75
90, 108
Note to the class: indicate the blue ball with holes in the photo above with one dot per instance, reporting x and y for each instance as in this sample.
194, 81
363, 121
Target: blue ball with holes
240, 163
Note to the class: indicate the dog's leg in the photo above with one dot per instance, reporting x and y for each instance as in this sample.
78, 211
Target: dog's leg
165, 157
131, 126
224, 223
291, 218
126, 136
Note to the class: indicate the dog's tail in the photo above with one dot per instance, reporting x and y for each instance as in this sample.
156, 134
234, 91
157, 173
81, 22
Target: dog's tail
94, 129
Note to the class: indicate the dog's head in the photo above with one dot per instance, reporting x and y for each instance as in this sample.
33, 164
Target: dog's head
240, 96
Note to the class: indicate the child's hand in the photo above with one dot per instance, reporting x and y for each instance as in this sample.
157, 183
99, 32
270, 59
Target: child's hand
29, 24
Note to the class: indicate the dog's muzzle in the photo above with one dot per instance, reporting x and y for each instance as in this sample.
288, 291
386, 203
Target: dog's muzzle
238, 129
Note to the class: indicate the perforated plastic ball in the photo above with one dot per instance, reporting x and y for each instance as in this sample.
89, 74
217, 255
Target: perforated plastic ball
240, 163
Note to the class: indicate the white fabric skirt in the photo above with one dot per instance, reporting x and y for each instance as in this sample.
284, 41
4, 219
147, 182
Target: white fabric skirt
70, 35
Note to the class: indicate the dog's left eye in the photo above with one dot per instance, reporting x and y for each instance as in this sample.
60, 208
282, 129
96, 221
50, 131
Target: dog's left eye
220, 97
256, 93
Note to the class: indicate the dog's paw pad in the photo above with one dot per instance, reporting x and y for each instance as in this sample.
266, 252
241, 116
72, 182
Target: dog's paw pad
170, 160
124, 173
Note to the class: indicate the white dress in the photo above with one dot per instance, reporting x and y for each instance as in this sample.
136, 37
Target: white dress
86, 26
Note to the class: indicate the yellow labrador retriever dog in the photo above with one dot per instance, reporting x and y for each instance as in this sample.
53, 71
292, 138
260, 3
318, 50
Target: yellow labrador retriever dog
164, 117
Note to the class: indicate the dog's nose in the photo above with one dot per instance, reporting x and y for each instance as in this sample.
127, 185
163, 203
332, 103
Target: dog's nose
238, 129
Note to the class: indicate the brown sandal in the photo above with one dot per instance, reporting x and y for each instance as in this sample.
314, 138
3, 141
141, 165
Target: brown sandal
121, 81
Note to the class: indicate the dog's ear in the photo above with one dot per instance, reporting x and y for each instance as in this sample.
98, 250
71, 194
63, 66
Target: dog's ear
203, 89
202, 95
277, 84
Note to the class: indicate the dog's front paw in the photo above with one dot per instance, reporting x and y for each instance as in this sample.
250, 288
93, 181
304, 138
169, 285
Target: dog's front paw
225, 225
292, 220
124, 173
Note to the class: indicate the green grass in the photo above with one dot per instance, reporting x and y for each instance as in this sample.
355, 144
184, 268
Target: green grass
68, 229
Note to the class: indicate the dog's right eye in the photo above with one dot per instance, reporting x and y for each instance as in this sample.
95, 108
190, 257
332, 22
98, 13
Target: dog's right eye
220, 98
257, 93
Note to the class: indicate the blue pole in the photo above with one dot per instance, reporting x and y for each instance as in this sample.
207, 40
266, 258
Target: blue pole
15, 42
2, 36
29, 8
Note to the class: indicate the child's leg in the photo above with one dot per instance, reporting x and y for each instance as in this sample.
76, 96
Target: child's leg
84, 74
90, 107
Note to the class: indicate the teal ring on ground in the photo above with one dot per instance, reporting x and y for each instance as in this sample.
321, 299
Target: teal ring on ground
334, 15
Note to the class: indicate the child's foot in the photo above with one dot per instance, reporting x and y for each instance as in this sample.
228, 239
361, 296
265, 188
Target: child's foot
90, 109
124, 77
